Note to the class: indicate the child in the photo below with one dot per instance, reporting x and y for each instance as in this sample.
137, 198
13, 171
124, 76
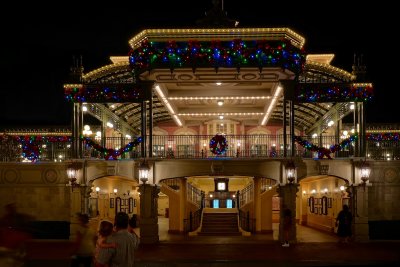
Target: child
106, 229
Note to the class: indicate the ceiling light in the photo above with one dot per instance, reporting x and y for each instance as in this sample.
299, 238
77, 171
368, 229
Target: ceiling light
220, 102
221, 117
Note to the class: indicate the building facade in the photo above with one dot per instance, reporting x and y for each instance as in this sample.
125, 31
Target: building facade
225, 118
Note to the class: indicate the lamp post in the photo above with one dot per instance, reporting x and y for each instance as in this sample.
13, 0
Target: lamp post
148, 206
144, 172
290, 171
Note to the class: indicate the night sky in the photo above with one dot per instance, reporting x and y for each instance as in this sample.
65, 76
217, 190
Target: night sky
39, 41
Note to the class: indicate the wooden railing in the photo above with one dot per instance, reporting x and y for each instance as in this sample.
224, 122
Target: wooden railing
193, 222
173, 183
245, 222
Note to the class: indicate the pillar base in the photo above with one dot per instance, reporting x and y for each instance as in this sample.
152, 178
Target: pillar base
148, 214
361, 229
149, 233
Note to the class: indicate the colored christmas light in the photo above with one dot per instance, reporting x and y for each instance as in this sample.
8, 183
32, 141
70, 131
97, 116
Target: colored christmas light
236, 53
218, 144
311, 92
322, 151
110, 153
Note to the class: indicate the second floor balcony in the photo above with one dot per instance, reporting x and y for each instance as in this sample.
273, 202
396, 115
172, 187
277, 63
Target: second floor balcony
18, 148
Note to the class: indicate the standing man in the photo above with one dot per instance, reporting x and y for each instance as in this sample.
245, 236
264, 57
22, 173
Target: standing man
123, 254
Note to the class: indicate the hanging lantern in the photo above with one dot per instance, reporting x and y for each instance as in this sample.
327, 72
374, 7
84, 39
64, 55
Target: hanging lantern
144, 172
365, 171
290, 168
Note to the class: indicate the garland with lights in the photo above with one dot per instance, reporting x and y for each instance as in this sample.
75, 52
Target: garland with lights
31, 149
383, 137
322, 151
190, 54
218, 144
109, 153
236, 53
103, 93
333, 92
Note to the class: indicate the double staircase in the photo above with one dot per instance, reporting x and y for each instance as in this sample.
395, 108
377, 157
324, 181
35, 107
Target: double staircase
220, 223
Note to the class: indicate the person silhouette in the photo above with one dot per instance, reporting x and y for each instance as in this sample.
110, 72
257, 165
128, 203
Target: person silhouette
126, 244
85, 242
105, 230
343, 221
287, 225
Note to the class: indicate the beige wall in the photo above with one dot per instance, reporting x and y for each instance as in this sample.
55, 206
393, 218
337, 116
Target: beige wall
266, 211
323, 185
174, 208
163, 204
38, 190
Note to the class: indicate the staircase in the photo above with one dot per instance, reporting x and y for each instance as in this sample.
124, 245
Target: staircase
220, 224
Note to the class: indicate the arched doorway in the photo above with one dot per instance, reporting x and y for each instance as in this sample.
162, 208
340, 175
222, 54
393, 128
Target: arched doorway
318, 202
111, 194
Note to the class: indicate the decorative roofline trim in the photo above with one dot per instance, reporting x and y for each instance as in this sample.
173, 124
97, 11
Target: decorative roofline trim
177, 35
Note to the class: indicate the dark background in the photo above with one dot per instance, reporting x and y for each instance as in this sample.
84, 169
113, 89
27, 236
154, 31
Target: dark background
39, 41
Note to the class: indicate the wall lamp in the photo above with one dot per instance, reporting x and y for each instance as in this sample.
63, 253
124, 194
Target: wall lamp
365, 171
290, 169
72, 173
144, 172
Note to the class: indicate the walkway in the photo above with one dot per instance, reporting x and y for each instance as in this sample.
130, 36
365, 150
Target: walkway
314, 249
302, 254
304, 234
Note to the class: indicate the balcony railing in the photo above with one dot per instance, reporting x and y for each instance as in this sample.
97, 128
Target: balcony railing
197, 147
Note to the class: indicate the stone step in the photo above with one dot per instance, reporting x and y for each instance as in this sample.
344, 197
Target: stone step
220, 234
217, 224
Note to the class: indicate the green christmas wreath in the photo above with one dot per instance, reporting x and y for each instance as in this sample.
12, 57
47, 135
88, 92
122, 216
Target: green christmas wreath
218, 144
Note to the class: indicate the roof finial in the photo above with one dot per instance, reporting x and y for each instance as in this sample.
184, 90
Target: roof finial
216, 17
76, 71
359, 69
